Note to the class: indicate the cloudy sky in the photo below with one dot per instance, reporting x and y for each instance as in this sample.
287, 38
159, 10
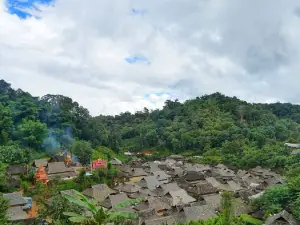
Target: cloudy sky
118, 55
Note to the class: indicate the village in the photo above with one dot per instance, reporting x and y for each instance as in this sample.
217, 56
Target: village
173, 189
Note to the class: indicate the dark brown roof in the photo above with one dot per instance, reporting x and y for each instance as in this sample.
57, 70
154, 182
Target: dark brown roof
193, 176
203, 188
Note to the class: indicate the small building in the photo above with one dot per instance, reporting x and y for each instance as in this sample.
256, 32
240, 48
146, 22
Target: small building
38, 162
158, 203
59, 170
17, 215
213, 200
179, 197
176, 157
98, 192
136, 174
98, 164
292, 145
15, 199
145, 152
149, 182
15, 170
128, 153
282, 218
112, 200
196, 213
116, 162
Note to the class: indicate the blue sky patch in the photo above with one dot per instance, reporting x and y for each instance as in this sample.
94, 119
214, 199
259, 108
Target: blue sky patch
137, 59
21, 8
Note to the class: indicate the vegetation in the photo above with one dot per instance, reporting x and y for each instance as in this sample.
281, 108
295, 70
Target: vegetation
219, 128
98, 215
3, 212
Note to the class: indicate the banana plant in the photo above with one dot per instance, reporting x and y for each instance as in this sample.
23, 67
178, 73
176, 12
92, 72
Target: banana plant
96, 215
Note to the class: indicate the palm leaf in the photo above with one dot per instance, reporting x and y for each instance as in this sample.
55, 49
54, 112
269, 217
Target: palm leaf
128, 203
125, 215
71, 214
78, 219
76, 201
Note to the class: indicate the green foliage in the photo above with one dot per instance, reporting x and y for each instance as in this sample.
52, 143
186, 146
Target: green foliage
227, 208
3, 212
32, 133
83, 150
53, 210
99, 214
14, 155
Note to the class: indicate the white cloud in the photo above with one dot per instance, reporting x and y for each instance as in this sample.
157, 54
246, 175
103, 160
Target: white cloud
248, 49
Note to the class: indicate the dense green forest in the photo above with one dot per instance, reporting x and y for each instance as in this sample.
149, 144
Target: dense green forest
218, 127
221, 129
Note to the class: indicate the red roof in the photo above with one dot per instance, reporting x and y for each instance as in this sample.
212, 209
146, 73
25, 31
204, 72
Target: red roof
99, 163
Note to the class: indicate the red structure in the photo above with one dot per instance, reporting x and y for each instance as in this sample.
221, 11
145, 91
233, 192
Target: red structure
98, 164
41, 175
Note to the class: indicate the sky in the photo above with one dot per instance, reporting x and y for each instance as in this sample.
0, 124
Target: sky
116, 56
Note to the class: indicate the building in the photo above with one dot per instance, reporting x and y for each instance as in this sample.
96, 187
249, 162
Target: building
59, 170
98, 164
282, 218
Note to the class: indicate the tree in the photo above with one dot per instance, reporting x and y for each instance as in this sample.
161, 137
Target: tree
227, 208
55, 210
99, 215
83, 150
32, 133
4, 220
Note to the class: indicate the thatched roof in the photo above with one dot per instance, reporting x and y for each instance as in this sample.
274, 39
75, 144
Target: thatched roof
196, 213
282, 217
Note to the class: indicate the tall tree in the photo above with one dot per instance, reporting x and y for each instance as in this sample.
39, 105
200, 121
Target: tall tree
83, 150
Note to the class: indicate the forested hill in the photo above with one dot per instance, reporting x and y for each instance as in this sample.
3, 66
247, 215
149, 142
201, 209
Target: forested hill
220, 128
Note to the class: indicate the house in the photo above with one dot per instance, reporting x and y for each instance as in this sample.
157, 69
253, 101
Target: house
98, 192
112, 200
161, 176
116, 162
149, 182
128, 153
193, 176
176, 157
196, 213
128, 187
213, 200
282, 218
38, 162
17, 215
145, 152
235, 187
59, 169
179, 197
15, 199
166, 220
160, 205
15, 170
292, 145
57, 158
203, 187
136, 174
239, 207
163, 189
98, 164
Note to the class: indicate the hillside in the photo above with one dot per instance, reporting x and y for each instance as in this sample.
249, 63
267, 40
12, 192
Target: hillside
216, 128
220, 128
